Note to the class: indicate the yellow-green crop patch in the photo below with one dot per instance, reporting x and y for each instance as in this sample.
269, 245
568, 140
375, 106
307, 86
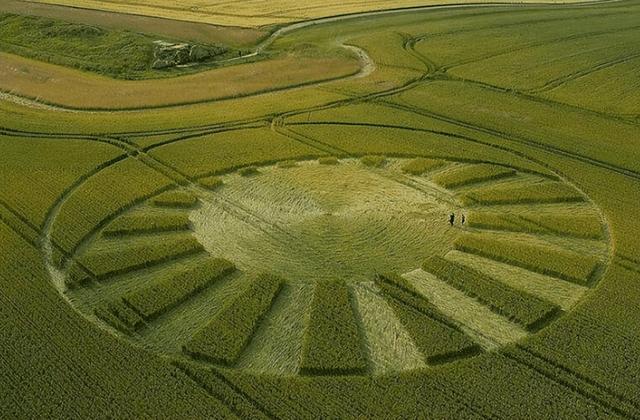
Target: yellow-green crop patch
117, 187
528, 194
527, 310
472, 174
579, 225
447, 230
177, 199
104, 261
332, 342
165, 293
229, 150
46, 172
148, 222
437, 337
421, 166
224, 338
547, 260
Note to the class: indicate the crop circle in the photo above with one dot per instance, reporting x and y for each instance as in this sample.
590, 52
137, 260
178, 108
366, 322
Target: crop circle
315, 222
344, 266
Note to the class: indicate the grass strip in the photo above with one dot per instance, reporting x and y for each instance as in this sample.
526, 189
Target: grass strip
211, 183
148, 222
176, 199
373, 161
421, 166
580, 226
120, 316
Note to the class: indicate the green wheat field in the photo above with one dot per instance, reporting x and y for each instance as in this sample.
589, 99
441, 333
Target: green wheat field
277, 210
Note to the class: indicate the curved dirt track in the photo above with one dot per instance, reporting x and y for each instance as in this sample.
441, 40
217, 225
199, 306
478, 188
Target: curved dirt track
21, 86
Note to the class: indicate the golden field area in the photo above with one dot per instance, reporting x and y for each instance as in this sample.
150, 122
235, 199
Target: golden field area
430, 213
253, 13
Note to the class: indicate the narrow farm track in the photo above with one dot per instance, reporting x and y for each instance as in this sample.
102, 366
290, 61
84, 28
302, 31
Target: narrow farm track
556, 83
558, 40
547, 370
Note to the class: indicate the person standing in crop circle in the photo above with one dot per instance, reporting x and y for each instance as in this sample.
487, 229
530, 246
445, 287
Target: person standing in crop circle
452, 218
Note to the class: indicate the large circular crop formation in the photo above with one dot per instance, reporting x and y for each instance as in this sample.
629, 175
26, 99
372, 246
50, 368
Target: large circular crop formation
353, 266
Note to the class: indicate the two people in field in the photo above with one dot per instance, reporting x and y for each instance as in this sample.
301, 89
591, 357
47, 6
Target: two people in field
452, 219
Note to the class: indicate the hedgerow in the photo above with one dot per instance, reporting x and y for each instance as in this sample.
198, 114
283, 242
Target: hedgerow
421, 166
436, 336
458, 177
142, 222
560, 263
549, 192
121, 54
105, 263
521, 307
226, 336
173, 288
175, 199
332, 343
581, 226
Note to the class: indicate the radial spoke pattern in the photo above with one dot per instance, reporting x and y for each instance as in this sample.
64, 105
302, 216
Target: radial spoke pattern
342, 266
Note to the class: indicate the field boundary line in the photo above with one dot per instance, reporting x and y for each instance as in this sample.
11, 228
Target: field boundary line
542, 100
310, 141
508, 51
262, 123
560, 81
518, 139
